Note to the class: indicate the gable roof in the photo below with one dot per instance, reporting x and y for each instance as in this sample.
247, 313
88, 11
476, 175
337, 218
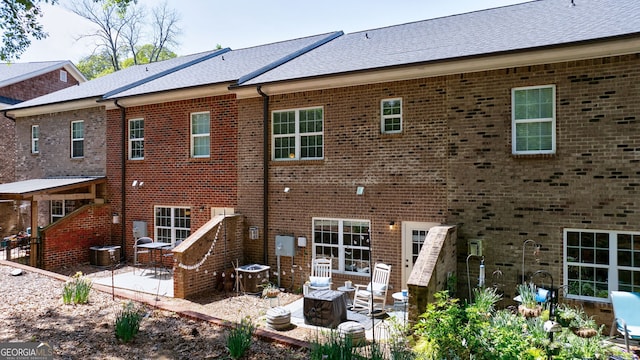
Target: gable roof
515, 28
230, 66
12, 73
213, 67
94, 90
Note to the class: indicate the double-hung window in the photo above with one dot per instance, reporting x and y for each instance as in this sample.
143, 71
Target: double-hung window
172, 223
391, 120
533, 120
77, 139
298, 134
136, 139
200, 135
35, 139
345, 242
598, 261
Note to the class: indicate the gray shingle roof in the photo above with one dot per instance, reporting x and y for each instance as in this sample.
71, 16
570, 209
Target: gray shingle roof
518, 27
9, 72
96, 88
229, 67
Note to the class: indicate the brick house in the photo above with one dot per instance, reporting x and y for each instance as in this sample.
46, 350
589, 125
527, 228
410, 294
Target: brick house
172, 96
72, 145
516, 126
20, 82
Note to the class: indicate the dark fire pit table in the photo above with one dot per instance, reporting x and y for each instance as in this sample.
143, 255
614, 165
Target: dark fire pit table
326, 308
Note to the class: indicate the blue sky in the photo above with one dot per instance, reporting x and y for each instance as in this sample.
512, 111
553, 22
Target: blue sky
243, 23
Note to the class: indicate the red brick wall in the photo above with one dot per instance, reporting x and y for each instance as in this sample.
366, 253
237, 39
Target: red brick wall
171, 177
190, 283
38, 86
67, 241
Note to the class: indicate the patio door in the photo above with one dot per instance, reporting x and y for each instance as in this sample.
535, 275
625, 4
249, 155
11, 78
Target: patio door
413, 237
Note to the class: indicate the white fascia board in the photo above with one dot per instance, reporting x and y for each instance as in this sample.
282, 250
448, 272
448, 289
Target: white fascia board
169, 95
55, 108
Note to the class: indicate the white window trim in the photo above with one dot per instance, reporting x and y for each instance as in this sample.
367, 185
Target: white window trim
172, 228
58, 216
35, 140
384, 117
297, 135
612, 266
341, 247
73, 140
552, 120
131, 140
63, 76
194, 136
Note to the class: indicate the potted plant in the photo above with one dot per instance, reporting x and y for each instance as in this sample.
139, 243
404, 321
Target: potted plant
584, 326
565, 315
529, 306
270, 291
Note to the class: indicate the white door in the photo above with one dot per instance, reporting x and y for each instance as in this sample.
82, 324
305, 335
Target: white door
413, 237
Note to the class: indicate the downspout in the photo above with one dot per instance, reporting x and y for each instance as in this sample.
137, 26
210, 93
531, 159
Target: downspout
6, 114
123, 169
265, 173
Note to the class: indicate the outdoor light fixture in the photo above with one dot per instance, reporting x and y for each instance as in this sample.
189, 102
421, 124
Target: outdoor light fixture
360, 190
392, 224
116, 218
134, 183
287, 189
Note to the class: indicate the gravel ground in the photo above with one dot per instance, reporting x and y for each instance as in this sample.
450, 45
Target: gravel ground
31, 309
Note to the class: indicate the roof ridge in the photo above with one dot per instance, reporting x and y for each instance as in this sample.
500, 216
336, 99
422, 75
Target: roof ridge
163, 73
289, 57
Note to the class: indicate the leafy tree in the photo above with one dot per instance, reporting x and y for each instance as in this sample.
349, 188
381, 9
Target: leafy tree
19, 24
121, 31
97, 65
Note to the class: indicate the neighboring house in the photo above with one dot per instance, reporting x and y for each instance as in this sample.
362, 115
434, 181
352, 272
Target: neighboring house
517, 125
72, 134
20, 82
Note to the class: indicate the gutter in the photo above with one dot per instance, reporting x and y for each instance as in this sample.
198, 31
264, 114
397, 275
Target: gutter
123, 171
265, 174
6, 114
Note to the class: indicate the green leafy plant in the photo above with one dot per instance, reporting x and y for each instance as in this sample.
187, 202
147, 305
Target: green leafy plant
239, 338
529, 306
77, 289
128, 322
332, 346
270, 290
527, 293
399, 342
441, 329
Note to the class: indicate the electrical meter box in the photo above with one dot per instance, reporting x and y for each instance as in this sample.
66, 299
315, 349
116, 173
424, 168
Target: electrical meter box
139, 229
475, 247
285, 245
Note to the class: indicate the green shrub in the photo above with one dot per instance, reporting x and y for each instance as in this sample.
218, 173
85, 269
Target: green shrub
128, 322
239, 338
442, 329
77, 290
